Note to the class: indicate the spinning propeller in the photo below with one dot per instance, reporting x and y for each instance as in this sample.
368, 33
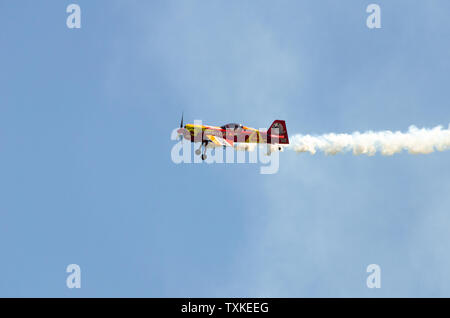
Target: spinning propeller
181, 126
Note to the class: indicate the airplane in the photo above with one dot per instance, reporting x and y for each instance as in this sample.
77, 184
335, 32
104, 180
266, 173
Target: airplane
234, 135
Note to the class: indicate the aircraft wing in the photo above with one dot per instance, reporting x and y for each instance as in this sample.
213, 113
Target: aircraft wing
219, 141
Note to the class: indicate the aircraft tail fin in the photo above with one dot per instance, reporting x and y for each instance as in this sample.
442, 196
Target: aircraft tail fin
278, 128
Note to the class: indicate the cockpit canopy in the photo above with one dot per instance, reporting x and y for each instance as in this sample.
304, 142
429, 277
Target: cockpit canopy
233, 126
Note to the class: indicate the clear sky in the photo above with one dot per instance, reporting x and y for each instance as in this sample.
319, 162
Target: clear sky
86, 175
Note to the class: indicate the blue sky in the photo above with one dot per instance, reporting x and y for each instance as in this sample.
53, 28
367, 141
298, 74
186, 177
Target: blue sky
86, 175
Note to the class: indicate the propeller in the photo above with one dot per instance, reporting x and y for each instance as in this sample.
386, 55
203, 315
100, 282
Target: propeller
181, 126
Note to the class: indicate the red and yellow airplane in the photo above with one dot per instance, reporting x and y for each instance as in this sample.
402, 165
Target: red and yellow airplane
235, 135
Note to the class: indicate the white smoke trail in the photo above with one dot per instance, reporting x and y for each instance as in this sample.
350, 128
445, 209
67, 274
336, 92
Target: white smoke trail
415, 141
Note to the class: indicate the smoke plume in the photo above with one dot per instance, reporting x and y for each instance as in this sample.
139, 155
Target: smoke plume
415, 141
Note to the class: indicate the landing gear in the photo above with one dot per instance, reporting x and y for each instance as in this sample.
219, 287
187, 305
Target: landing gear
202, 147
198, 151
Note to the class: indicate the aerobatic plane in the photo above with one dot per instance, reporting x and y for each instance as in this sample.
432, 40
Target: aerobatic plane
234, 135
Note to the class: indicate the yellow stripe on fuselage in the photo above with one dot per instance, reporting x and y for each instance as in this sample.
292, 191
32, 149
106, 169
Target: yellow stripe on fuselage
196, 129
